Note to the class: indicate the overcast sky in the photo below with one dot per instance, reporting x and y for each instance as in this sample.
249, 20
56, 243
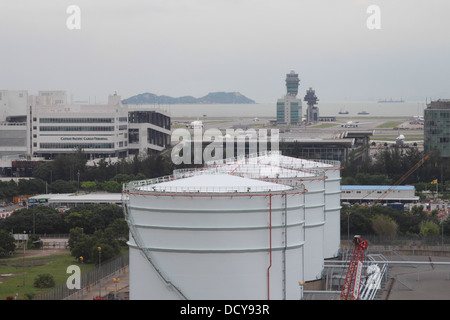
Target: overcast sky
192, 47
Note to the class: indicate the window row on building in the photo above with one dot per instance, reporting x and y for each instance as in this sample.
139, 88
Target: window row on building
76, 120
77, 128
74, 146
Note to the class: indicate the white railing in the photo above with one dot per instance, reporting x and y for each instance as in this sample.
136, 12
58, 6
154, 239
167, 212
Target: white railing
376, 272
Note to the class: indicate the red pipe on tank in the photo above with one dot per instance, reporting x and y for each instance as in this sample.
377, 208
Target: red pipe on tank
270, 245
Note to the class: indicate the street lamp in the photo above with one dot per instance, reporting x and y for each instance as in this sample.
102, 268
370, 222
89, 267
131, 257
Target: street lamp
116, 280
23, 261
348, 225
81, 278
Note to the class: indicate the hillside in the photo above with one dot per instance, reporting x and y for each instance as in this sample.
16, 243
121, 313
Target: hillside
210, 98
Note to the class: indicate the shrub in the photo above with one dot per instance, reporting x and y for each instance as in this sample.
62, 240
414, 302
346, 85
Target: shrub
30, 296
44, 280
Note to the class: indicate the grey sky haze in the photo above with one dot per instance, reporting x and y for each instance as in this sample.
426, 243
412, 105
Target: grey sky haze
193, 47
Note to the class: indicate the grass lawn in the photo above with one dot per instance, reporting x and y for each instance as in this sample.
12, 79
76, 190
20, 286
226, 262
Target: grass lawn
14, 269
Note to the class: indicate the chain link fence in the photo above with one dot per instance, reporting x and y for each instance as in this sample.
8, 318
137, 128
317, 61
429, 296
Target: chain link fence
87, 280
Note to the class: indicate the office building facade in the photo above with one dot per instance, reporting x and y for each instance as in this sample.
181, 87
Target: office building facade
437, 127
148, 130
98, 130
46, 125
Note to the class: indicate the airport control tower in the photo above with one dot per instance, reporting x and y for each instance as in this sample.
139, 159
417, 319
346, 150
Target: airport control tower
292, 83
312, 112
289, 108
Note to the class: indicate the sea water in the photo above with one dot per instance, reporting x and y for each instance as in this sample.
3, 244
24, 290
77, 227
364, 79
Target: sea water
268, 109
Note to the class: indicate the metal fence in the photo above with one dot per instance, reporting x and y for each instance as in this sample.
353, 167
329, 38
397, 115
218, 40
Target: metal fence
411, 240
87, 281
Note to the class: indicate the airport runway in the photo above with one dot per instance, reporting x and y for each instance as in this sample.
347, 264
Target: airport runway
383, 128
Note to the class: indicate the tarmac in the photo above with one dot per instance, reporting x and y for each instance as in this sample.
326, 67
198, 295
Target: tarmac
429, 281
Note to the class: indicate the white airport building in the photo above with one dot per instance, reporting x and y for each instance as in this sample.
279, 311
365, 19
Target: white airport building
46, 124
371, 193
99, 130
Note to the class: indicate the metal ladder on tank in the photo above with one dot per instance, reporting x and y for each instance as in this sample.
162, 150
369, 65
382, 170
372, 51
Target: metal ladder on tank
145, 251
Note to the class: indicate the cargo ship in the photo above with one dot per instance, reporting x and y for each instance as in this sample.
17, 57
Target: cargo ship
390, 101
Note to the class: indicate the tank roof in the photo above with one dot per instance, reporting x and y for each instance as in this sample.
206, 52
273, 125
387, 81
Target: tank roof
275, 158
291, 162
198, 181
258, 171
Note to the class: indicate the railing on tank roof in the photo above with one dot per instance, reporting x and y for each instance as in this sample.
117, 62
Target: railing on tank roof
216, 189
256, 156
151, 185
253, 171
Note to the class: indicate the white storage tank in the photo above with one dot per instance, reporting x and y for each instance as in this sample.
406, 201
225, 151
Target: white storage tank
332, 170
215, 236
314, 182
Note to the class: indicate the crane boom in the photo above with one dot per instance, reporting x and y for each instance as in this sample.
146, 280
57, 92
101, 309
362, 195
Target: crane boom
352, 282
403, 178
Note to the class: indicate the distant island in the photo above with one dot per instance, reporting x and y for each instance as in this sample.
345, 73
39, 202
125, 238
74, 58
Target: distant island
210, 98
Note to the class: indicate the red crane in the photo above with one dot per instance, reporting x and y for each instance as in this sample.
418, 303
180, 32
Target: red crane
350, 289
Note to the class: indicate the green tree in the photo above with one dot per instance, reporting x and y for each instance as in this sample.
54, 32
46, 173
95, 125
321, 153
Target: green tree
31, 186
119, 228
80, 219
62, 186
7, 244
89, 185
429, 228
41, 219
75, 234
372, 179
87, 245
44, 172
384, 225
112, 186
9, 189
34, 242
82, 247
44, 280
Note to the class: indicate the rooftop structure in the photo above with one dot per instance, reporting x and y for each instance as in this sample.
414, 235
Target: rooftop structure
12, 103
69, 200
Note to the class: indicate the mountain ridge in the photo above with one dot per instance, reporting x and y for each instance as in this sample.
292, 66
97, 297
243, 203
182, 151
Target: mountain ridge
210, 98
